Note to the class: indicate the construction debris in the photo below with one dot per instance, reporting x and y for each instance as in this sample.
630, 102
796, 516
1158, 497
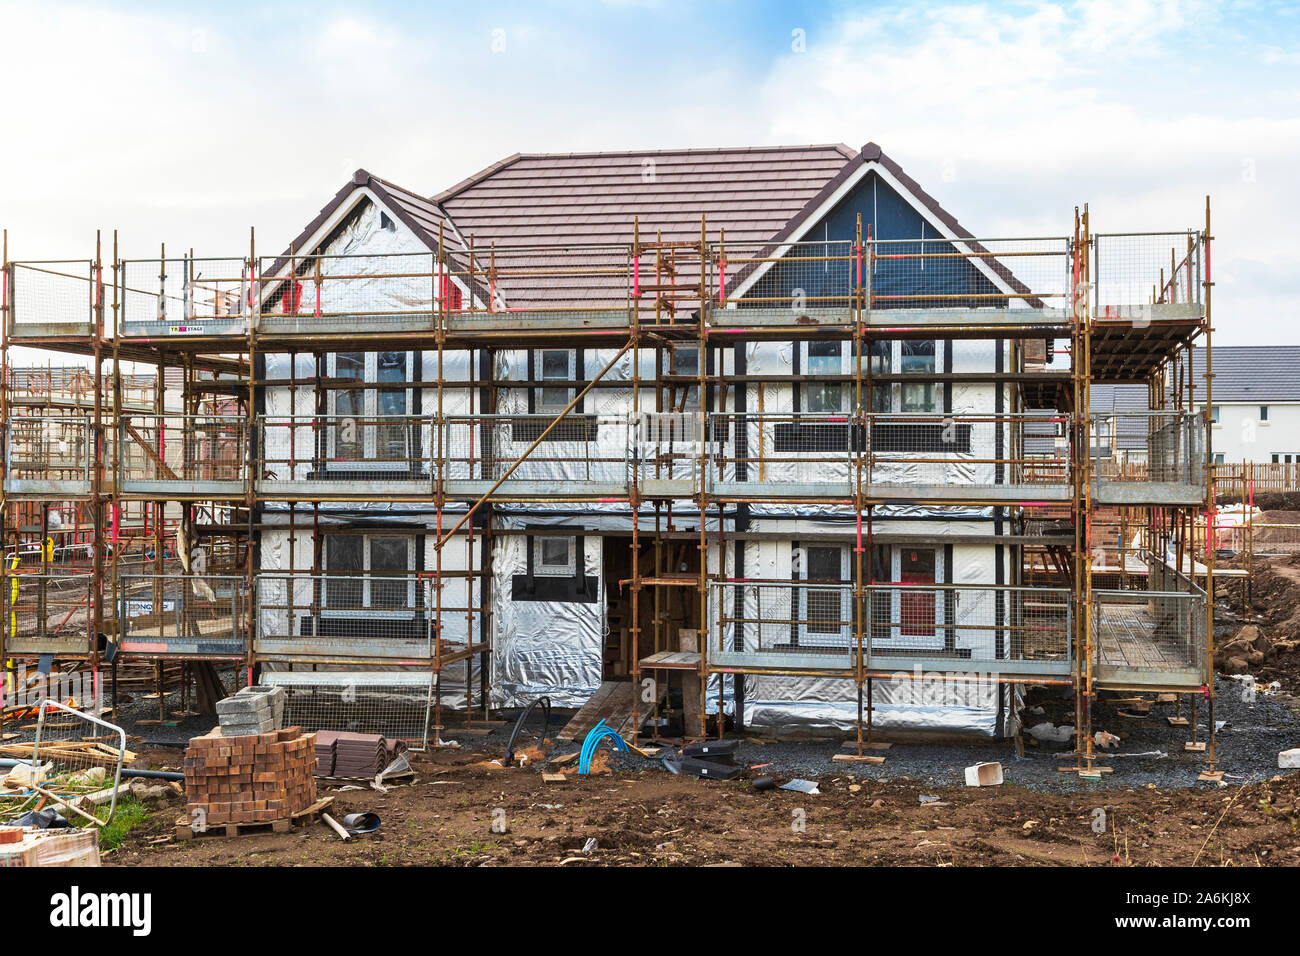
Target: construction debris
65, 847
985, 774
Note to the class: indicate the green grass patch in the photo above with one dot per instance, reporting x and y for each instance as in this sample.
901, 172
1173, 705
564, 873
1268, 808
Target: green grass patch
130, 814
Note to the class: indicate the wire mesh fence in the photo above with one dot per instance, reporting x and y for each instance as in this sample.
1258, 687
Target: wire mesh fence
795, 277
346, 617
350, 450
55, 298
580, 448
821, 453
1268, 537
345, 292
183, 615
1173, 443
46, 613
971, 450
541, 279
177, 453
184, 296
1133, 270
417, 454
48, 453
397, 704
1155, 631
992, 628
776, 618
808, 451
969, 273
667, 447
415, 291
986, 626
80, 755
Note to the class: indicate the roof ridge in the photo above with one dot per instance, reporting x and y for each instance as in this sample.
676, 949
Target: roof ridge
478, 177
684, 150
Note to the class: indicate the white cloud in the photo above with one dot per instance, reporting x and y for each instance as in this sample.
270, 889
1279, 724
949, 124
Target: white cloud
188, 126
1037, 109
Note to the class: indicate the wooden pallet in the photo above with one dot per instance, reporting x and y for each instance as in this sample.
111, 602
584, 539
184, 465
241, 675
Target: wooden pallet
184, 831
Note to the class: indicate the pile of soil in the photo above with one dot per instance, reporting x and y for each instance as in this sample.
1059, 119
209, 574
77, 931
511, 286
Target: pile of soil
1266, 501
1269, 648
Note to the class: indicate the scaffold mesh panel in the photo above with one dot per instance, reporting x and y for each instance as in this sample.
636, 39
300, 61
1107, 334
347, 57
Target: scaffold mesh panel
397, 704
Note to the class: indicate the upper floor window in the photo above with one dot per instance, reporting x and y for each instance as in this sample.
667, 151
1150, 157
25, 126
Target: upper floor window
911, 357
1263, 413
826, 607
1214, 413
369, 421
556, 365
684, 360
555, 556
825, 358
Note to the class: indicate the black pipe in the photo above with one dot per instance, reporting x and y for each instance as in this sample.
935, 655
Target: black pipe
127, 773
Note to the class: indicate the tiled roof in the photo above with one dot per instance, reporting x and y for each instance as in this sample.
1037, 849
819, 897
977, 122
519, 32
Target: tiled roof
1250, 373
543, 198
557, 200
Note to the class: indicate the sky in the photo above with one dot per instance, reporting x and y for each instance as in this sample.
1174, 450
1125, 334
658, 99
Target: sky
189, 123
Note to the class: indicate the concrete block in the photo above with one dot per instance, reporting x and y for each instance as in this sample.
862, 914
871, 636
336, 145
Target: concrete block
1289, 759
268, 692
252, 706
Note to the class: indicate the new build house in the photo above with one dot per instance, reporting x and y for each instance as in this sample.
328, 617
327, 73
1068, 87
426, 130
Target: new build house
753, 436
1255, 416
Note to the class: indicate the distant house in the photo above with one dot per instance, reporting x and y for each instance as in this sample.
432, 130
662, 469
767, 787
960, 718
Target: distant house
1256, 402
1121, 438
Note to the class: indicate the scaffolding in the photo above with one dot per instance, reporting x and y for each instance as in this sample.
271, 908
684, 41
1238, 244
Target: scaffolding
696, 456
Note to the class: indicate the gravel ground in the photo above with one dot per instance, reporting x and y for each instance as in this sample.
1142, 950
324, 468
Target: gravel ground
175, 732
1150, 753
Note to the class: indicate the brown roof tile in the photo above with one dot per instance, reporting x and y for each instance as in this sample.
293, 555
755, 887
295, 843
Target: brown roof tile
754, 194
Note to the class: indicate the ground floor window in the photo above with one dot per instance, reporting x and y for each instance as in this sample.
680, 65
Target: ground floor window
368, 572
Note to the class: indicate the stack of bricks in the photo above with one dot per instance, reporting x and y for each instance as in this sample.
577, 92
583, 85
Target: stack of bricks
253, 778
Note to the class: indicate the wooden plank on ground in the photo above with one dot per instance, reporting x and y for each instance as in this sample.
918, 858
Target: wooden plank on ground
612, 702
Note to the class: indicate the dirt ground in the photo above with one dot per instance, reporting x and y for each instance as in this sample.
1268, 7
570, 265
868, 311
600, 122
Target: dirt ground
1276, 611
652, 818
463, 811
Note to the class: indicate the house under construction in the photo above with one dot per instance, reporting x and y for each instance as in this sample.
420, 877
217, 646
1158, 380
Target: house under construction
760, 437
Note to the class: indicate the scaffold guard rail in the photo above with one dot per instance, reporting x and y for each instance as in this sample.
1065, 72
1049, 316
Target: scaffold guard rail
183, 615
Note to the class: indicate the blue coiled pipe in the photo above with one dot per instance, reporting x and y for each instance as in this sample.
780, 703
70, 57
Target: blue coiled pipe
593, 738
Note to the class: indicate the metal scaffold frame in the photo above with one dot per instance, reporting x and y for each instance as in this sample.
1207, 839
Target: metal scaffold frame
210, 471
